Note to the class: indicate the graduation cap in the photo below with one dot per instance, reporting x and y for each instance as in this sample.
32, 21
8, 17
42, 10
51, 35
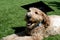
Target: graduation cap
40, 5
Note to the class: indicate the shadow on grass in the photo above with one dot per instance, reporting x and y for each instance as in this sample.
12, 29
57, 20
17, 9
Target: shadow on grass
20, 31
55, 4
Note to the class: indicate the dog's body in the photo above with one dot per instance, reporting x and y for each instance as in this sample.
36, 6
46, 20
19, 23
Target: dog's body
15, 37
54, 27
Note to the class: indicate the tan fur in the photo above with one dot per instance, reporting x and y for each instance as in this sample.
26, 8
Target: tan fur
15, 37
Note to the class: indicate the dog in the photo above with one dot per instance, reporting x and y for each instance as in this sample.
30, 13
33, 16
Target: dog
41, 24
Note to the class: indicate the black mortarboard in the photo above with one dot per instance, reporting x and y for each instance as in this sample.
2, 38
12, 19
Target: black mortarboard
40, 5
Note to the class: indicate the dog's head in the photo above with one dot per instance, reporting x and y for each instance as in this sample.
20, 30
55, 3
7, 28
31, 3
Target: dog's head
34, 16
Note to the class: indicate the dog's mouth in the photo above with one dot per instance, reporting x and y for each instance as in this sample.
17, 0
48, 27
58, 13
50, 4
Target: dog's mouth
30, 23
34, 24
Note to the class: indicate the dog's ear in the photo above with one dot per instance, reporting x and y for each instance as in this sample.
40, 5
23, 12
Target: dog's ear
46, 20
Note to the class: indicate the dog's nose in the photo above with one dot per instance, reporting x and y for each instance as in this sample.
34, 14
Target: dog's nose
28, 17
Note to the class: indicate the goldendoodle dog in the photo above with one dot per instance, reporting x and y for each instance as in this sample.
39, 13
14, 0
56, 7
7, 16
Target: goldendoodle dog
38, 23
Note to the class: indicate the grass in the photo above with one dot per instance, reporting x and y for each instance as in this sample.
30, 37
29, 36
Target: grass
12, 15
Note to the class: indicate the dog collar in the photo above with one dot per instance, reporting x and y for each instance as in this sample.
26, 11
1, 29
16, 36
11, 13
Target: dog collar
39, 24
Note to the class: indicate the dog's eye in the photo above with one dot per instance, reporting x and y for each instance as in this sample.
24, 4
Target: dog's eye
36, 13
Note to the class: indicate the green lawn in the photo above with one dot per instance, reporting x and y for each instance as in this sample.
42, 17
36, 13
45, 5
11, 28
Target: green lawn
12, 15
